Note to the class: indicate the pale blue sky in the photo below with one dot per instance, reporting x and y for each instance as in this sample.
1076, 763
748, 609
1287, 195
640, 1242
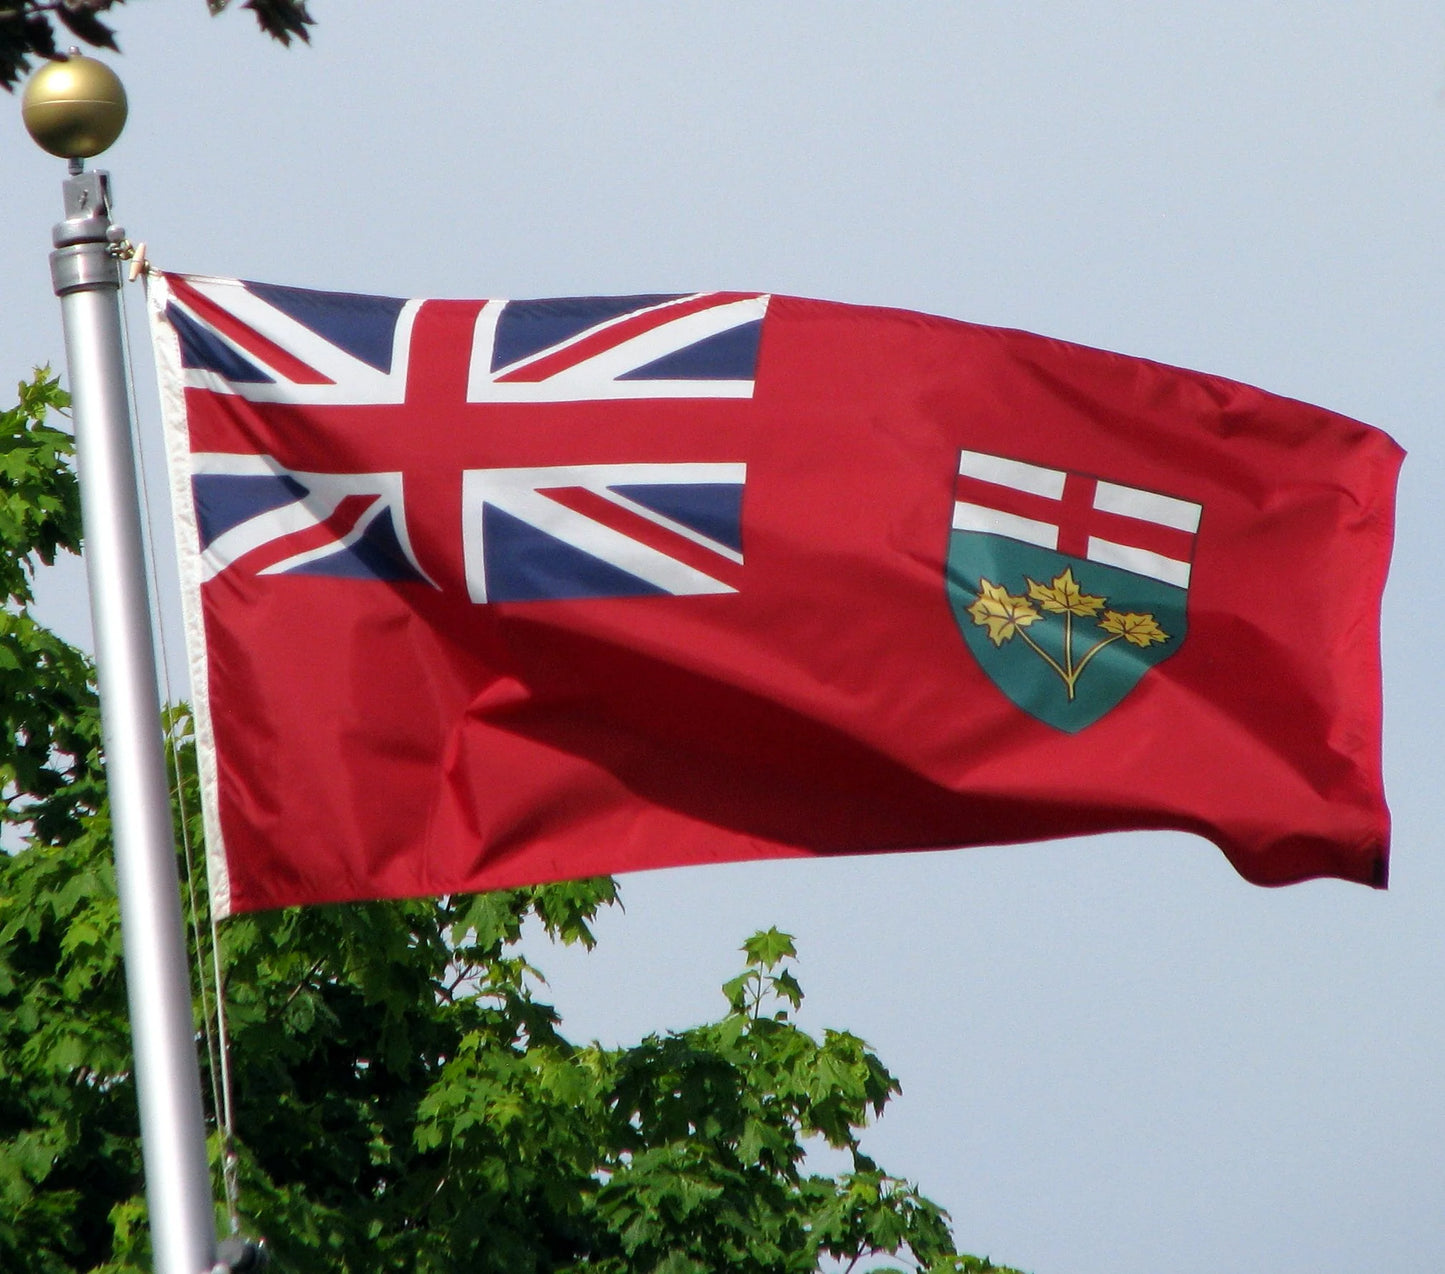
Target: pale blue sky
1118, 1058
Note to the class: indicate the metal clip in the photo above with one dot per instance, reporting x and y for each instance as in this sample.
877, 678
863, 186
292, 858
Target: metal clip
122, 249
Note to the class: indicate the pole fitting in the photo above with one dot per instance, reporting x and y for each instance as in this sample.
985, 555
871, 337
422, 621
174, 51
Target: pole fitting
87, 209
84, 257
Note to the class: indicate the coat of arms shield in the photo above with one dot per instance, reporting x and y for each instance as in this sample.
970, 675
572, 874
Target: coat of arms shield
1067, 588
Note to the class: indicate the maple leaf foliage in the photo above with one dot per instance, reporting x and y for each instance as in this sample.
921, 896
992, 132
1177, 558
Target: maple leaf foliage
1138, 630
1002, 613
1064, 596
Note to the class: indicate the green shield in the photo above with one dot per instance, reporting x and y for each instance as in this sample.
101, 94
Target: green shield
1063, 637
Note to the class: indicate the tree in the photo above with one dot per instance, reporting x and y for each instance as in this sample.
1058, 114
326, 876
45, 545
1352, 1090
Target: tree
404, 1101
28, 27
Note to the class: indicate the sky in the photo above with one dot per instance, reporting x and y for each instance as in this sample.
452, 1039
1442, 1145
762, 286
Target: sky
1117, 1057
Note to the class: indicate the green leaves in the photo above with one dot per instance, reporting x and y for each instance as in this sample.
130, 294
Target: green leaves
387, 1126
769, 948
49, 764
714, 1123
756, 985
39, 495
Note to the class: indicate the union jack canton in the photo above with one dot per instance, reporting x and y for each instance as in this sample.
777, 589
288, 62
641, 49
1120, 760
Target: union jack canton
633, 528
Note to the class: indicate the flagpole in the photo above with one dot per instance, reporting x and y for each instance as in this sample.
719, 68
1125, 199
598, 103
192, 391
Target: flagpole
78, 112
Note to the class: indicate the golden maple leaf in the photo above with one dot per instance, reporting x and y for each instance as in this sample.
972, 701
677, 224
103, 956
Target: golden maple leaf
1064, 596
1139, 630
1000, 612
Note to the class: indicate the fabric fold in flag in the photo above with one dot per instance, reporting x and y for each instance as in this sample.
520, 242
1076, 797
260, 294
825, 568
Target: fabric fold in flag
488, 593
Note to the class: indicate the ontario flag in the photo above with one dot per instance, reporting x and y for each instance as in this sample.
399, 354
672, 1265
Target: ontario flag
491, 593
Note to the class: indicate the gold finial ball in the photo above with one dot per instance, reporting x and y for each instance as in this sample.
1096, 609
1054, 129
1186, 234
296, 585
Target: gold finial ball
74, 108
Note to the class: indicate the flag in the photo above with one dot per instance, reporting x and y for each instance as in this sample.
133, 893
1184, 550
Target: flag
490, 593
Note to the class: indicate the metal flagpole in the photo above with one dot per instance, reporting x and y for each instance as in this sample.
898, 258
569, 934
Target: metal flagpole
77, 112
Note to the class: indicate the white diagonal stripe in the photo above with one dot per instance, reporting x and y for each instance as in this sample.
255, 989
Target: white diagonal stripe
1147, 506
1012, 473
597, 376
1141, 561
353, 380
521, 492
323, 496
649, 346
229, 547
586, 333
676, 528
975, 517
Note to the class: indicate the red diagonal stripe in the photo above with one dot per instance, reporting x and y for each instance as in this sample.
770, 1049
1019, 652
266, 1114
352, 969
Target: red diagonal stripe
343, 518
1077, 519
278, 359
598, 509
614, 335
